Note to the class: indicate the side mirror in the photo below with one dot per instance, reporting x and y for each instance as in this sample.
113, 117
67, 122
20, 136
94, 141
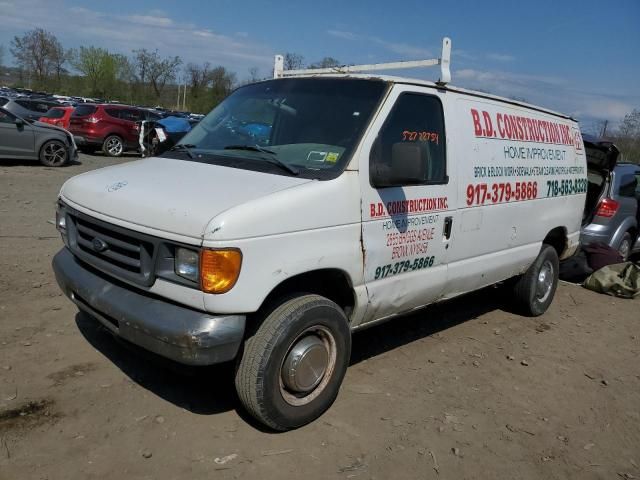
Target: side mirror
408, 166
19, 122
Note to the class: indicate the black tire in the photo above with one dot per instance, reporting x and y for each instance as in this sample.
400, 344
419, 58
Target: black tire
113, 146
535, 289
54, 153
624, 249
259, 376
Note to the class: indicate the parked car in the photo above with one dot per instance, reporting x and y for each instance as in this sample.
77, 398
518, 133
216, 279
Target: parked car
29, 109
26, 139
302, 209
611, 213
109, 127
58, 116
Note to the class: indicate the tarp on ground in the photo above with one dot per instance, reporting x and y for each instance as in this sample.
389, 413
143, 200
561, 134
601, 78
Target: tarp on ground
620, 280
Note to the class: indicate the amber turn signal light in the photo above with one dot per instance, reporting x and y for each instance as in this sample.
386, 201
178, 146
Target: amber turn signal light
219, 269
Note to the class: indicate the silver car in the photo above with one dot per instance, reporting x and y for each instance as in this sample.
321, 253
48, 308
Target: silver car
611, 212
30, 140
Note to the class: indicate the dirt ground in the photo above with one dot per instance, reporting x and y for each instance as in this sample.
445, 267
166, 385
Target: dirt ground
461, 390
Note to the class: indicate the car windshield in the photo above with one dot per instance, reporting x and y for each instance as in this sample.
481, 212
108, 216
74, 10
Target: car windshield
297, 126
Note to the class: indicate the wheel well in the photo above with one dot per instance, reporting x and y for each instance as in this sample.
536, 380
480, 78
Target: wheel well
333, 284
557, 238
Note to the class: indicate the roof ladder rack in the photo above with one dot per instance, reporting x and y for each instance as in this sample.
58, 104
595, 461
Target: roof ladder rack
444, 61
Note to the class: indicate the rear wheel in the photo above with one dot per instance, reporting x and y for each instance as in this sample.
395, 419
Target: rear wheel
113, 146
534, 290
624, 249
292, 367
54, 153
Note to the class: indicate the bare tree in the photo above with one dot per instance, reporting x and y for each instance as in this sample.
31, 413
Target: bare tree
253, 74
39, 53
293, 61
1, 56
326, 62
627, 137
141, 61
157, 71
163, 71
198, 76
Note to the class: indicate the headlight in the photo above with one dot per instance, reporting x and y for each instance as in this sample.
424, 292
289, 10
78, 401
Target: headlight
61, 220
186, 264
219, 269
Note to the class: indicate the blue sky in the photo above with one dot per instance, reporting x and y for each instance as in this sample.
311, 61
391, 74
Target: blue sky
578, 57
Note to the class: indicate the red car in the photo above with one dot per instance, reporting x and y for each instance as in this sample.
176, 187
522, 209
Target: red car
58, 116
109, 127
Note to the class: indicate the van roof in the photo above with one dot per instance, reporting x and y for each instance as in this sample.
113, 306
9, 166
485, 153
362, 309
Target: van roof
429, 84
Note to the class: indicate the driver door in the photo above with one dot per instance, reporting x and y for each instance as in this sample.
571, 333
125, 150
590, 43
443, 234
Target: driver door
407, 218
16, 141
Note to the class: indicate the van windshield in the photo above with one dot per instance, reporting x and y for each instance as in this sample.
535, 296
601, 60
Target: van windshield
297, 126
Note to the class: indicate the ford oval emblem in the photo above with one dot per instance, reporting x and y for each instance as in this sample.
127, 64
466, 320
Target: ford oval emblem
99, 245
117, 186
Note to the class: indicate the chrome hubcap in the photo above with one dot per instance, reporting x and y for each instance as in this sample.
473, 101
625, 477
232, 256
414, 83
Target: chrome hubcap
55, 154
545, 281
624, 249
308, 366
114, 146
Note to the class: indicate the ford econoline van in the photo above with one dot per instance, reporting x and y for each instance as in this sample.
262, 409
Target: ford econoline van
306, 207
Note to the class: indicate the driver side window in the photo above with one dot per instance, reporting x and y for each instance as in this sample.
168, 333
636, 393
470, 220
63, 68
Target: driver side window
412, 139
6, 118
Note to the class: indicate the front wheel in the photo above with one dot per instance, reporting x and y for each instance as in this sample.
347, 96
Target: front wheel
534, 290
292, 367
54, 154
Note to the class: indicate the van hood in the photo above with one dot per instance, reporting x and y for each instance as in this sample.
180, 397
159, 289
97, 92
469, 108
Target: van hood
170, 195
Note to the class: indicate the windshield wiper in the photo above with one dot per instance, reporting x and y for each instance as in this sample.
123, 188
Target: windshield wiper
272, 158
184, 147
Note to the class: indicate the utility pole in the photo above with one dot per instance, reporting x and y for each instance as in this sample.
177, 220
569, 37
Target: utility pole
178, 102
184, 97
604, 129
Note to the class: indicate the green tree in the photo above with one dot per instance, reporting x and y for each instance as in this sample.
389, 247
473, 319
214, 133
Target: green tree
222, 82
100, 69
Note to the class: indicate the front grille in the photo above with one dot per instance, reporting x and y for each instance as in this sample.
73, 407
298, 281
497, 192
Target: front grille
115, 250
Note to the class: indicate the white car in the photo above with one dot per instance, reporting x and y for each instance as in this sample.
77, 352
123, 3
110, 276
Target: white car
304, 208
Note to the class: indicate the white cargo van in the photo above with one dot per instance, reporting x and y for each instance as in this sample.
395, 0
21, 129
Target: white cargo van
308, 206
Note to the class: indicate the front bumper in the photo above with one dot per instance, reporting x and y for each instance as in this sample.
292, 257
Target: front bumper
179, 333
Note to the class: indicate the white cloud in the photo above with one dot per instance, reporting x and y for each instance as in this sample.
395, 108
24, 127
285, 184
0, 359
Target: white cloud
342, 34
547, 91
75, 26
404, 49
150, 20
500, 57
